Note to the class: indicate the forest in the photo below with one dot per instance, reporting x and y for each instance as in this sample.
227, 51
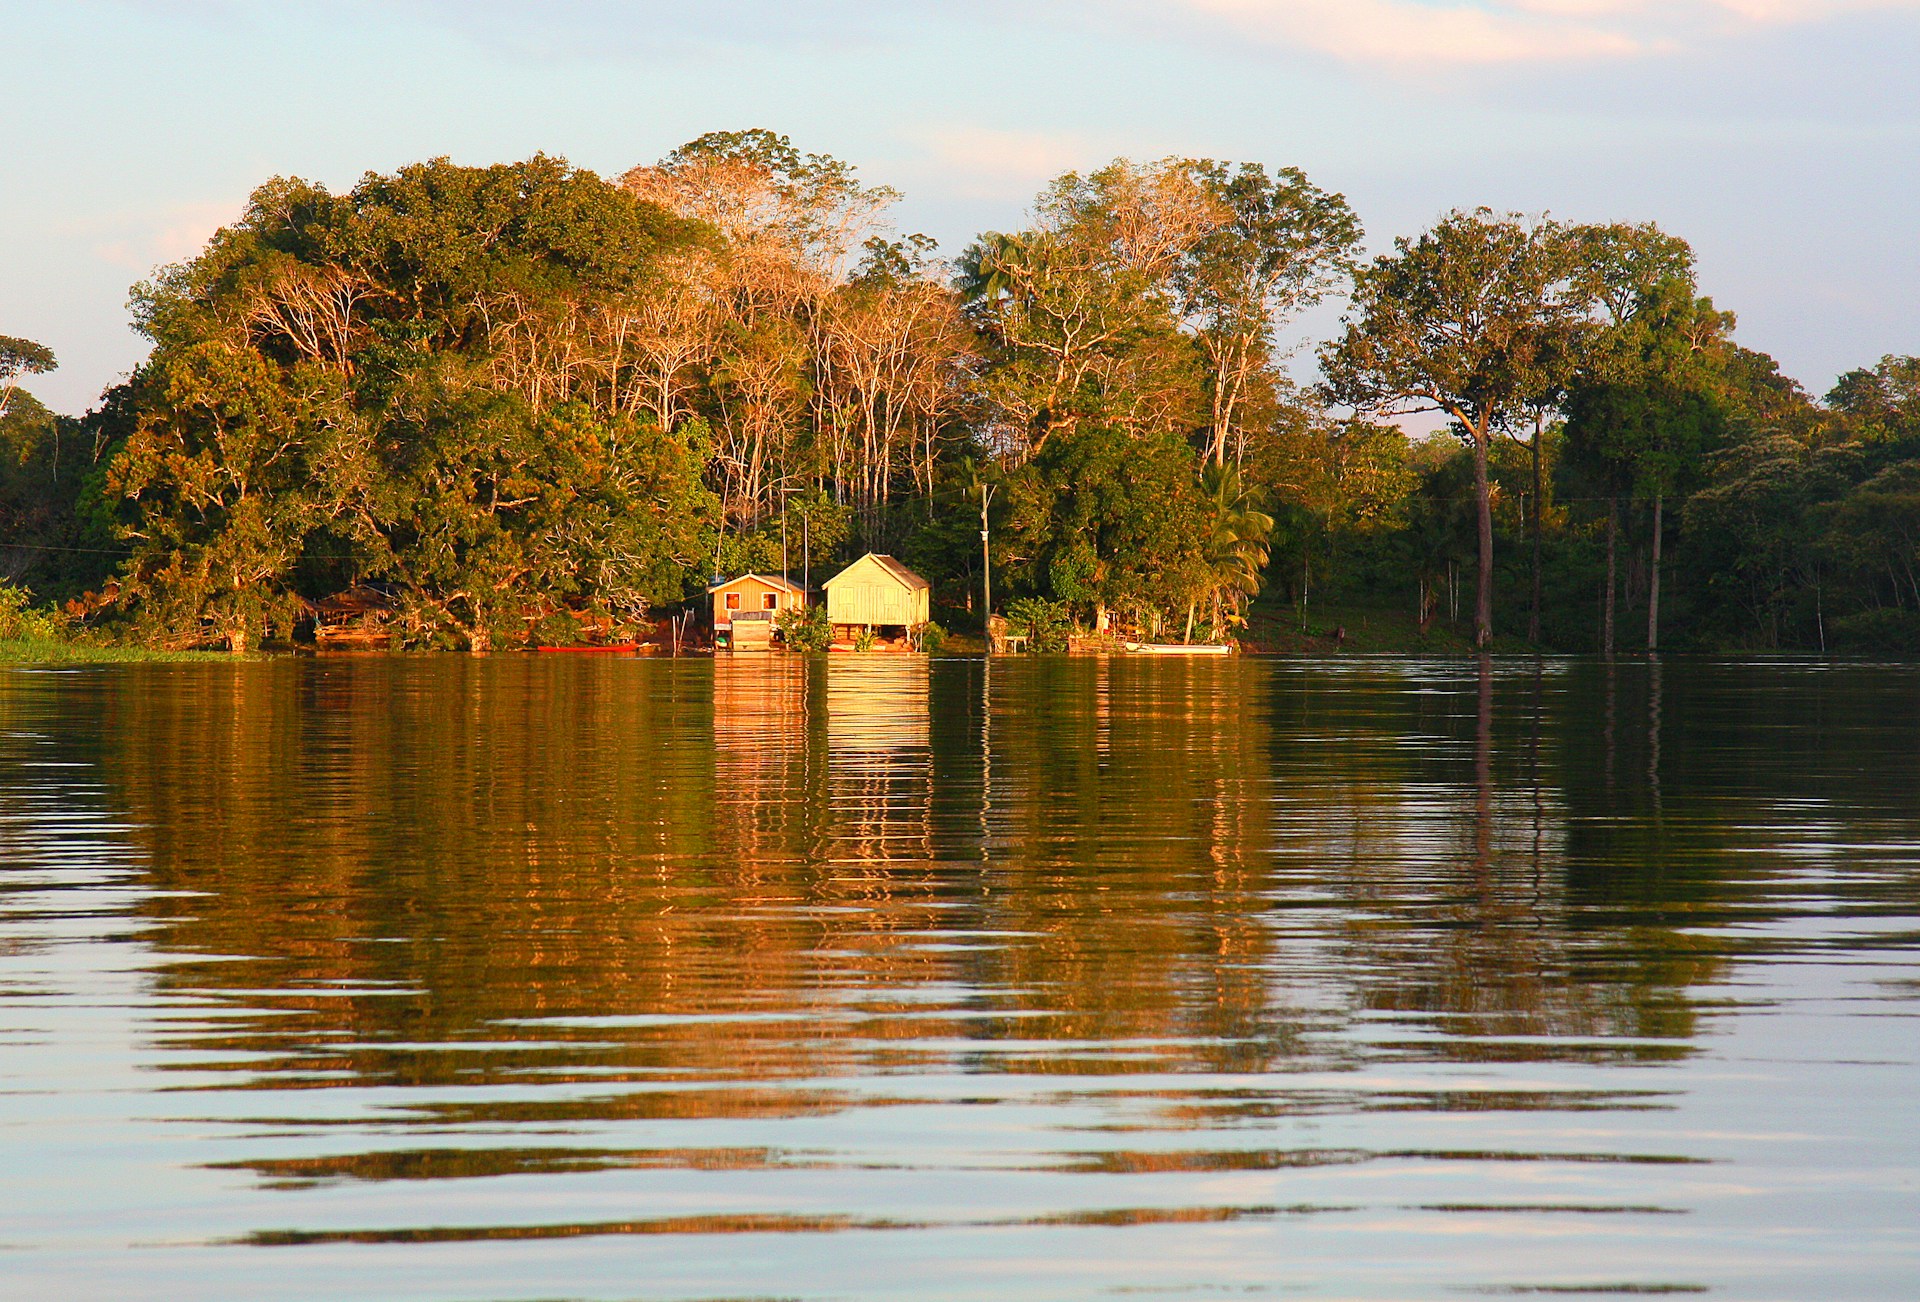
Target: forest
523, 399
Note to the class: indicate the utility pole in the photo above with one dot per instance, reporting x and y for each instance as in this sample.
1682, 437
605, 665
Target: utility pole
986, 570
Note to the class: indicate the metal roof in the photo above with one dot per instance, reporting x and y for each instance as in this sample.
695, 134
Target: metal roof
894, 570
772, 580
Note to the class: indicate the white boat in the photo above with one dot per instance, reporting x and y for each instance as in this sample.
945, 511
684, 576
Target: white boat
1179, 648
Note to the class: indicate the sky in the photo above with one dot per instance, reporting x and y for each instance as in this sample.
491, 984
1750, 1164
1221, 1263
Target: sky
1781, 137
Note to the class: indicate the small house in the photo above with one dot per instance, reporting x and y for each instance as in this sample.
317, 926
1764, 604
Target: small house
745, 610
877, 595
355, 620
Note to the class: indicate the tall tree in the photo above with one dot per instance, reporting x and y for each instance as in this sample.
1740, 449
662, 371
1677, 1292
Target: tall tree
1455, 321
20, 357
820, 351
1282, 245
1643, 404
1081, 314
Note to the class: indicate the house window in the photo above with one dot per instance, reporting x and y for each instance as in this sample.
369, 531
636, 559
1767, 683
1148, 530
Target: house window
733, 601
773, 601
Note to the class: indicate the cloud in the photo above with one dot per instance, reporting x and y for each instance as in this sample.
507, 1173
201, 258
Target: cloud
1426, 32
142, 241
985, 163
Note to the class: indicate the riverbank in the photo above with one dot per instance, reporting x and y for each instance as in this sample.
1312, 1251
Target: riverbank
1275, 629
53, 651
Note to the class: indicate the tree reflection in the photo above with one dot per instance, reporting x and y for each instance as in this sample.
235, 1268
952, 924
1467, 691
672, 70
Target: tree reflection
710, 878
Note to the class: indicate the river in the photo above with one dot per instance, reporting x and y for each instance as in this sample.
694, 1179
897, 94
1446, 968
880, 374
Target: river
880, 977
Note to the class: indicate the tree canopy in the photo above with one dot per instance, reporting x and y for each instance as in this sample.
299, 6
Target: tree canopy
515, 402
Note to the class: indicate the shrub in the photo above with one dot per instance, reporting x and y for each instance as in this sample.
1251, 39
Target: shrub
805, 630
1888, 631
20, 621
1045, 623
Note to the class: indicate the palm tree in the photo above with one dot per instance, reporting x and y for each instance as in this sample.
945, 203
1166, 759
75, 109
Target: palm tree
1237, 544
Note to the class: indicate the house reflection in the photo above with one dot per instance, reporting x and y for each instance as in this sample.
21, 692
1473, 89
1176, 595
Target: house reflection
879, 758
762, 767
822, 760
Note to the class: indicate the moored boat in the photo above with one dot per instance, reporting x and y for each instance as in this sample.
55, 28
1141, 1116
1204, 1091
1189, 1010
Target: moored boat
586, 648
1179, 648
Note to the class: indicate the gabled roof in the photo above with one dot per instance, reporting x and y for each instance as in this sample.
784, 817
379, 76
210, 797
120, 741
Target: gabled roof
890, 567
771, 580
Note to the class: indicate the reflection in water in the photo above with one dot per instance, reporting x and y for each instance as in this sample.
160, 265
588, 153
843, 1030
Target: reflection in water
1376, 977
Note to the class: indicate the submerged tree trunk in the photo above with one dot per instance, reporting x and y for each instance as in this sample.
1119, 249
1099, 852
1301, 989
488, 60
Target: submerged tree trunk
1483, 495
1653, 579
1606, 601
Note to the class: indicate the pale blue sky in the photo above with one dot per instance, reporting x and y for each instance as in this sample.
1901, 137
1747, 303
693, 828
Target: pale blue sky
1781, 136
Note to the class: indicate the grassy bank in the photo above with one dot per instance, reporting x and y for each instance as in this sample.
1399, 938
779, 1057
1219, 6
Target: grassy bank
58, 651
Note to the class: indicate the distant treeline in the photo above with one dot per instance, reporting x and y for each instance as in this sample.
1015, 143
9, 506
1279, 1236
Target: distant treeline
512, 398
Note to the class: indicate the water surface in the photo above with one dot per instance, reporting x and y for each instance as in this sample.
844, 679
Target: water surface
885, 978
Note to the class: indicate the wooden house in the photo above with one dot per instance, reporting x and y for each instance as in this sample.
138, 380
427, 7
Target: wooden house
745, 610
879, 596
354, 620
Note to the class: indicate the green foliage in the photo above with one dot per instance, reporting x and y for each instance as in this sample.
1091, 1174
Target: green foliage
1101, 518
1647, 403
1884, 631
932, 638
1045, 624
863, 640
513, 398
20, 357
21, 621
805, 629
827, 537
380, 376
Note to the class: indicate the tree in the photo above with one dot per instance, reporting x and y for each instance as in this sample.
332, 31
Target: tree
410, 385
20, 357
1455, 321
821, 351
1881, 402
1282, 246
1107, 520
1081, 315
1643, 407
1236, 552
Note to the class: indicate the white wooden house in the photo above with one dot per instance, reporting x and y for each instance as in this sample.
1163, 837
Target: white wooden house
877, 595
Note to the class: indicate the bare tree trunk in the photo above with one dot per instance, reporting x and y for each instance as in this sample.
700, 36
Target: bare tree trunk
1483, 495
1653, 582
1606, 601
986, 571
1533, 616
1189, 635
